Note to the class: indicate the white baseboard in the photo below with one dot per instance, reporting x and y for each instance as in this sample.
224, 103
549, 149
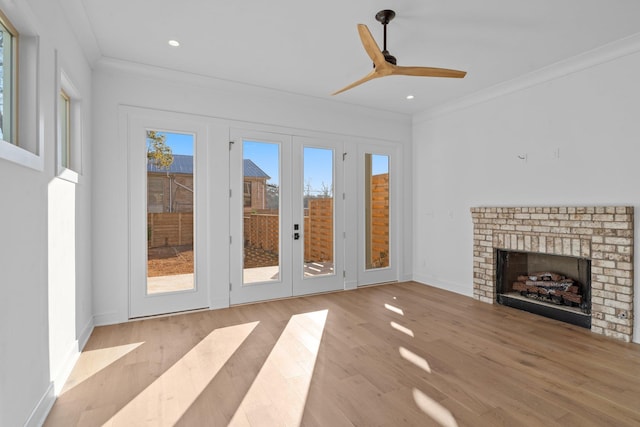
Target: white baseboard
110, 318
406, 278
71, 358
40, 412
84, 335
447, 286
63, 372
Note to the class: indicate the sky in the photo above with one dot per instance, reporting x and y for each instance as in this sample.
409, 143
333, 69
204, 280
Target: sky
317, 161
180, 143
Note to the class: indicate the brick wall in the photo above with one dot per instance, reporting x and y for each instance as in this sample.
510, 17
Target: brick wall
602, 234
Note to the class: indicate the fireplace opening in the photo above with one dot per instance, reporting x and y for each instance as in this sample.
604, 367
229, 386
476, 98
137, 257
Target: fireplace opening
554, 286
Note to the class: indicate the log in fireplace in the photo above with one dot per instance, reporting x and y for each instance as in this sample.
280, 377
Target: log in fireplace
553, 286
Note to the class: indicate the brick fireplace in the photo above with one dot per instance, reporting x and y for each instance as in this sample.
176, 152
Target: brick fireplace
602, 234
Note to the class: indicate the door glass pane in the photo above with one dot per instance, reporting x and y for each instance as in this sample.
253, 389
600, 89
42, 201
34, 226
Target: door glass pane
376, 211
170, 190
261, 212
318, 212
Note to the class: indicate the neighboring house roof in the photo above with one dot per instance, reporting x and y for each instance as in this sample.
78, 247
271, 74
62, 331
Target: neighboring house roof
182, 164
253, 171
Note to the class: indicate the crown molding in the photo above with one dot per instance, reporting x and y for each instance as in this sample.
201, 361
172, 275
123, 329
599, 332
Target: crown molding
78, 20
240, 88
606, 53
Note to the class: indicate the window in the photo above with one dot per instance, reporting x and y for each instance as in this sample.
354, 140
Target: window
69, 133
64, 121
8, 65
20, 138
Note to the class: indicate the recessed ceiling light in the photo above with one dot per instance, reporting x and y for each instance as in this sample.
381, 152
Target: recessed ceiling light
410, 96
174, 43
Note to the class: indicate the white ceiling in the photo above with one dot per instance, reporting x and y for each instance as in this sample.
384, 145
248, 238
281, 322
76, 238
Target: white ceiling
313, 48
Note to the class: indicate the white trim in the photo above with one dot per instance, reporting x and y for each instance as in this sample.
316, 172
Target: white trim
406, 277
239, 88
85, 334
42, 409
141, 303
72, 172
71, 358
218, 303
350, 284
609, 52
69, 361
68, 175
393, 270
30, 149
110, 318
80, 24
20, 156
447, 286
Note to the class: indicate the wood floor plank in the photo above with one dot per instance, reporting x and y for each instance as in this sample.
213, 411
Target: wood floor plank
392, 355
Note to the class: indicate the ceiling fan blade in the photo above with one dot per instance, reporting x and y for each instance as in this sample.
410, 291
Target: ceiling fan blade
427, 72
371, 46
372, 75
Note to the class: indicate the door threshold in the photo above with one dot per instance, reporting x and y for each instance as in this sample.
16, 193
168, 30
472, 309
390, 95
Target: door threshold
173, 313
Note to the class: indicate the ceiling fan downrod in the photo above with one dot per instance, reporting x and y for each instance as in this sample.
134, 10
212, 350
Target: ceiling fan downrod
384, 17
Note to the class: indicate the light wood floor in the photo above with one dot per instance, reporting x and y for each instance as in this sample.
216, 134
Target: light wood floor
400, 354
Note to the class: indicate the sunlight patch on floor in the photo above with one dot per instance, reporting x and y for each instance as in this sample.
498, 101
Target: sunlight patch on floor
279, 392
91, 362
165, 400
394, 309
403, 329
435, 410
419, 361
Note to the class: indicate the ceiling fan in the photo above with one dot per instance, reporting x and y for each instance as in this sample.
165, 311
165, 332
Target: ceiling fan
384, 64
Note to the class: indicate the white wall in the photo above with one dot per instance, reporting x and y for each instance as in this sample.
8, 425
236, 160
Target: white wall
120, 84
45, 274
468, 157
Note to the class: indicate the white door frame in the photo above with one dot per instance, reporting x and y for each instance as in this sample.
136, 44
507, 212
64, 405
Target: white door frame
282, 287
390, 273
291, 253
140, 302
324, 283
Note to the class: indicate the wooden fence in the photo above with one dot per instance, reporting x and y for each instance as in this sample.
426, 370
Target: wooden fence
261, 230
380, 220
318, 231
170, 229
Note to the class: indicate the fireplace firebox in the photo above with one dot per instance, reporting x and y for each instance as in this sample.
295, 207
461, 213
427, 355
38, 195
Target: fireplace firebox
553, 286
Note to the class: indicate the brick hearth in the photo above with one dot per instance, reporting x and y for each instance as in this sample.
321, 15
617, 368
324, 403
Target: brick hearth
602, 234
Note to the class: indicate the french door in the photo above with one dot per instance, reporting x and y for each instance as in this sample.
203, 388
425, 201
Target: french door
168, 217
377, 200
286, 220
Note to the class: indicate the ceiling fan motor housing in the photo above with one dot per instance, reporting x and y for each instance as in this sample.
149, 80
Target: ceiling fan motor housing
389, 58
